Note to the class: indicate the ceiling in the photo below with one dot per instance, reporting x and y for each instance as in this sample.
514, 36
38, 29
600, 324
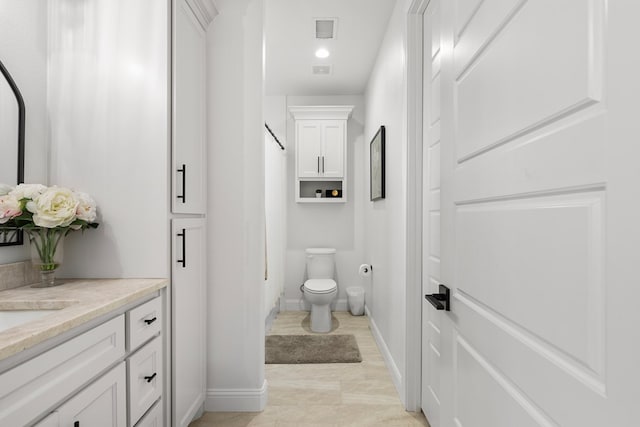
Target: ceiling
290, 45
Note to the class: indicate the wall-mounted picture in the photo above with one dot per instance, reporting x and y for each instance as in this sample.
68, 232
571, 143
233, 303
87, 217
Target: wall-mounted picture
376, 170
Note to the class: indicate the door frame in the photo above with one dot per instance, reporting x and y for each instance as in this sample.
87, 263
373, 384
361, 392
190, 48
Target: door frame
415, 169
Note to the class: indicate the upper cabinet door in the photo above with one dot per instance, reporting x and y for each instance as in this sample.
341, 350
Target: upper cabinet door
309, 145
189, 112
333, 150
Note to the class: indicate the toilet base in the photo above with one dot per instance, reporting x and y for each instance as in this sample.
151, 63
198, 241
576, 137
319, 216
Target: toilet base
321, 321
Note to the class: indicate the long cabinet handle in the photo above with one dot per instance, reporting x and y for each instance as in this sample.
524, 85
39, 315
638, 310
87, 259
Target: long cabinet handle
318, 164
183, 261
322, 164
183, 171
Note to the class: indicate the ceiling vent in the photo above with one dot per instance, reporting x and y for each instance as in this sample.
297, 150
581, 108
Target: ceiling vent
326, 28
321, 70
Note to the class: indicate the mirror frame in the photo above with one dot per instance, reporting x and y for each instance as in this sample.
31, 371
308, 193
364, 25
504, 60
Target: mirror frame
15, 237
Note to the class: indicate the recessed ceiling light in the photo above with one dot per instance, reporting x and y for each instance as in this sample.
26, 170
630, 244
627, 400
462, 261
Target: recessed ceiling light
322, 53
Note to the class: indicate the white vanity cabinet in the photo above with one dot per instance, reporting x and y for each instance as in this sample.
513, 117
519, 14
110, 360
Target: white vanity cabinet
189, 63
94, 378
321, 153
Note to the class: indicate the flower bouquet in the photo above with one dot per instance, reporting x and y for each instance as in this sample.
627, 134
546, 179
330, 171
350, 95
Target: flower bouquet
46, 215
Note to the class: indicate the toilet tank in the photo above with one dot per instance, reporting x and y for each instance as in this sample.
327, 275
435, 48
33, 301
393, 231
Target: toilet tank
320, 263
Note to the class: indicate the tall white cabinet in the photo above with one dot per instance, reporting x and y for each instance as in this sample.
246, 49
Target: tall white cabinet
321, 153
188, 272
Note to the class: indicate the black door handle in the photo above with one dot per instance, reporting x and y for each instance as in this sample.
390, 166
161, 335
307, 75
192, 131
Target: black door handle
441, 301
150, 377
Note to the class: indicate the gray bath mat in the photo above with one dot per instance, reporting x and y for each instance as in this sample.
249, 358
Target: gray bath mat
291, 349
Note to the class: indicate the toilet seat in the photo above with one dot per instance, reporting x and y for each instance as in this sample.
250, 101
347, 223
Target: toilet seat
320, 286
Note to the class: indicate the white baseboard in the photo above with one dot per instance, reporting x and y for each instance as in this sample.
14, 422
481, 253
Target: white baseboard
386, 354
301, 305
236, 400
268, 322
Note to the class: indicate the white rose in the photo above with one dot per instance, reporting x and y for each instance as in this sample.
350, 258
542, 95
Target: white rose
55, 207
5, 189
27, 191
86, 207
9, 208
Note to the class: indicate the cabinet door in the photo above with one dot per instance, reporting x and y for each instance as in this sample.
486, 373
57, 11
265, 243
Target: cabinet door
333, 149
189, 109
188, 301
309, 148
102, 404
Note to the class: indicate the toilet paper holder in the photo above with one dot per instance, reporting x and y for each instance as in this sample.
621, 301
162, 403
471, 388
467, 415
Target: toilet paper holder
365, 270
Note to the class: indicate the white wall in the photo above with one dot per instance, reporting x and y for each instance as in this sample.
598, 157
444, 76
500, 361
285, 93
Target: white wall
108, 109
236, 209
336, 225
23, 51
385, 220
275, 190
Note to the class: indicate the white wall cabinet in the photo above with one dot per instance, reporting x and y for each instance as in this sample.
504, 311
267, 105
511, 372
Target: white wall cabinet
321, 152
189, 318
190, 19
321, 148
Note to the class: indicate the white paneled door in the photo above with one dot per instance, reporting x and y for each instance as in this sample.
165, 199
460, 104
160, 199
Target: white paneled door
431, 345
540, 219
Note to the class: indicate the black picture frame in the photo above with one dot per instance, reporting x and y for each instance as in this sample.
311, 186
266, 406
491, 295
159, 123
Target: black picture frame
13, 237
377, 165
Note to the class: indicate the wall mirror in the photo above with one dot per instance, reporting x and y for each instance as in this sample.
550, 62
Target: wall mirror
12, 125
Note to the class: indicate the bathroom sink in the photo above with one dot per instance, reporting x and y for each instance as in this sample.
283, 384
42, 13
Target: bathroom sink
16, 313
11, 318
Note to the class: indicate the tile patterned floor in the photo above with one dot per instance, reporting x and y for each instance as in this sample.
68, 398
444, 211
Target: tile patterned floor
324, 395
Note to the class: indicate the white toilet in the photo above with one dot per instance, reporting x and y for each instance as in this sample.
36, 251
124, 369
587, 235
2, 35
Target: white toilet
320, 289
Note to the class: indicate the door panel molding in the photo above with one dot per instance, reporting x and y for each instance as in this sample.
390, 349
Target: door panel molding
495, 412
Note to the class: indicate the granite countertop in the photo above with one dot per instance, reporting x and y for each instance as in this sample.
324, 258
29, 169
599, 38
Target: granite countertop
71, 304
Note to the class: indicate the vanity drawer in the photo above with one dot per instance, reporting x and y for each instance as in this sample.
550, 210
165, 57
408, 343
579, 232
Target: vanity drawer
145, 378
143, 322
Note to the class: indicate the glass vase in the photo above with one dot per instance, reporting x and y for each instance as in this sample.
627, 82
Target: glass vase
47, 249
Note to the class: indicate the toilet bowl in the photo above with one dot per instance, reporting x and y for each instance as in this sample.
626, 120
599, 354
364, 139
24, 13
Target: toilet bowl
320, 289
320, 293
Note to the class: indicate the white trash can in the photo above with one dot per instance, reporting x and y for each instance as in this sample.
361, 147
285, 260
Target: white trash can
355, 297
